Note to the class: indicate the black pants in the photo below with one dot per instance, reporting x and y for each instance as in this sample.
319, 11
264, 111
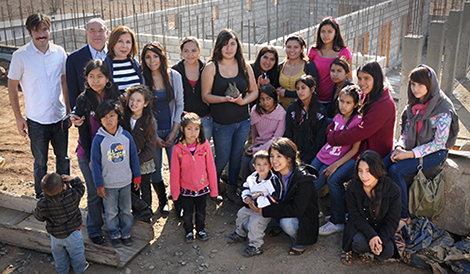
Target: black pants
361, 245
145, 190
188, 204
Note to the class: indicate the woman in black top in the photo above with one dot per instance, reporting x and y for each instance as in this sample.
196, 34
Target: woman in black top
374, 206
190, 68
231, 117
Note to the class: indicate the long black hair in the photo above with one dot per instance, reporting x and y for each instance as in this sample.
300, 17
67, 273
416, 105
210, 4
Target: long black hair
147, 114
269, 90
354, 92
287, 148
110, 90
376, 169
273, 73
338, 41
222, 40
373, 69
158, 49
314, 108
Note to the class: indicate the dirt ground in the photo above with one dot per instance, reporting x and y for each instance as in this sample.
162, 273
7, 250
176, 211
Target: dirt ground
168, 253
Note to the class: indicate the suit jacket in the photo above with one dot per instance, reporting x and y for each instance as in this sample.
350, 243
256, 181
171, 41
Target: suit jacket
75, 68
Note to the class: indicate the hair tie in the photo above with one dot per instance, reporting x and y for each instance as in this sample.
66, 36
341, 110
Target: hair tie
429, 73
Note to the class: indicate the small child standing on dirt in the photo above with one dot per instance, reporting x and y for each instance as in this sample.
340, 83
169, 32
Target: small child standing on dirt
58, 206
262, 188
193, 175
114, 161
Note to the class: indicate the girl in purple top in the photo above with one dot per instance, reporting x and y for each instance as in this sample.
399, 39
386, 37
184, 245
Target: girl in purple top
335, 163
99, 86
330, 45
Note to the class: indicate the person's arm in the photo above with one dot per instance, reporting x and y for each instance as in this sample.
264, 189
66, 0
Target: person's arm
134, 160
297, 206
392, 217
274, 196
21, 124
65, 94
38, 212
73, 88
96, 166
175, 173
179, 105
371, 123
441, 135
333, 167
207, 80
211, 171
76, 184
150, 145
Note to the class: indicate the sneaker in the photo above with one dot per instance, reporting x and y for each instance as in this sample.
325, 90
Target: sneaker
116, 242
251, 251
98, 240
235, 238
189, 238
202, 235
330, 228
127, 241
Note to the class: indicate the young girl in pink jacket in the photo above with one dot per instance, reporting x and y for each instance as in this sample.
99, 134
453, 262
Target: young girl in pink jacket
193, 175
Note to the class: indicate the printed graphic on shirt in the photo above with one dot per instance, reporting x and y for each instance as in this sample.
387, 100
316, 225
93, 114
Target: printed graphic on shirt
116, 153
335, 151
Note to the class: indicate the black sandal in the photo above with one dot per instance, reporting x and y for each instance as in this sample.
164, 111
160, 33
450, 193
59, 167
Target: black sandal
346, 257
296, 252
274, 232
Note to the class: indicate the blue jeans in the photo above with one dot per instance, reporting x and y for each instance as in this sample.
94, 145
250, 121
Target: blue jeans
247, 166
94, 219
400, 169
158, 156
40, 135
207, 126
69, 250
291, 226
229, 143
335, 187
117, 208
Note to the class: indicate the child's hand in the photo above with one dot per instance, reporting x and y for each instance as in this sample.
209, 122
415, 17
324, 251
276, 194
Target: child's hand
66, 177
330, 170
248, 200
101, 192
136, 186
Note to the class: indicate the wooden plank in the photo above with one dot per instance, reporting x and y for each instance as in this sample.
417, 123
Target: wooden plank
367, 43
12, 217
25, 231
380, 41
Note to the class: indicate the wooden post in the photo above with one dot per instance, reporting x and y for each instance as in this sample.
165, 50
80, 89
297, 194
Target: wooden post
399, 38
203, 31
197, 27
102, 11
73, 32
63, 31
241, 34
388, 41
269, 31
4, 27
366, 44
249, 42
384, 40
380, 41
254, 33
212, 27
22, 29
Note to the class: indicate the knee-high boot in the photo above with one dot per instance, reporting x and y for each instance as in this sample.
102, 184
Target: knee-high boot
162, 199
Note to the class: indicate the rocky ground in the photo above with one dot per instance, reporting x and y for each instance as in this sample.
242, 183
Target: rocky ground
168, 253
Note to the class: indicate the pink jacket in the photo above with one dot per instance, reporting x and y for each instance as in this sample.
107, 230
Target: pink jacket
192, 172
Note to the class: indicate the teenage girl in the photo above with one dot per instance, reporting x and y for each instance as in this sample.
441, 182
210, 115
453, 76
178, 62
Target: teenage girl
139, 121
295, 65
266, 67
98, 87
339, 70
193, 175
378, 115
190, 68
329, 45
306, 120
374, 210
268, 122
335, 163
167, 87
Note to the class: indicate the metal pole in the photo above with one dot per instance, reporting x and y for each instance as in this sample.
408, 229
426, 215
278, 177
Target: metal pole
269, 31
73, 31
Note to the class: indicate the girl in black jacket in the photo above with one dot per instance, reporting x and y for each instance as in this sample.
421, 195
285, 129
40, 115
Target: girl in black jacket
374, 206
297, 211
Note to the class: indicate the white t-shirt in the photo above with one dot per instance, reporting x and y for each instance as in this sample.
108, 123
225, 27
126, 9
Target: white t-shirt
39, 75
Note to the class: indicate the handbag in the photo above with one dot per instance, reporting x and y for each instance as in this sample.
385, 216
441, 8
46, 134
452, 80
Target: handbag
426, 195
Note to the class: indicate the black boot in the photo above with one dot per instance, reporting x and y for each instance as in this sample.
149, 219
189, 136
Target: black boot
162, 199
140, 209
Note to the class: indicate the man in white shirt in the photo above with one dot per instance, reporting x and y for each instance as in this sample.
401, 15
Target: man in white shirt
97, 35
39, 67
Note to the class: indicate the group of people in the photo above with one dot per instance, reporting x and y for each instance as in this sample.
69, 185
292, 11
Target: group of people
310, 126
